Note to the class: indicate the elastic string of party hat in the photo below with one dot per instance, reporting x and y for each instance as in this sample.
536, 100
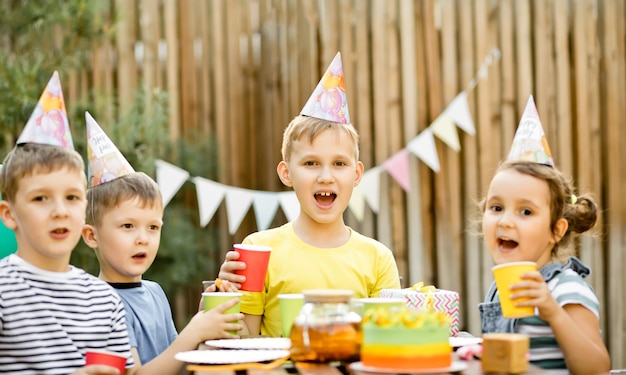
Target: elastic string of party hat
93, 215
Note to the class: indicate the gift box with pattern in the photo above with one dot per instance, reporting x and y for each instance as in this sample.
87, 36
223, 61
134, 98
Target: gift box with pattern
443, 300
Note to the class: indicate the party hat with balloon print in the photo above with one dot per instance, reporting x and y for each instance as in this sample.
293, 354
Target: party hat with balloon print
106, 162
329, 101
529, 142
48, 124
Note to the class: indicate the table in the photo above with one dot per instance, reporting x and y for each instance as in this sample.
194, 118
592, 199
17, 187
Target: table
473, 368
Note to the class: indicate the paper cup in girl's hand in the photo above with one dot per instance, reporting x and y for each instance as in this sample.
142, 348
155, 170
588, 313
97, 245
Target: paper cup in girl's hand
256, 258
103, 357
507, 274
212, 299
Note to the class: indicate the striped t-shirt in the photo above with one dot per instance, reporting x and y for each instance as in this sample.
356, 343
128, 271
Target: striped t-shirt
48, 320
567, 287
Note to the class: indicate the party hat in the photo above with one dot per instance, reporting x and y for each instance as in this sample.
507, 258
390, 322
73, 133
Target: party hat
329, 101
529, 143
106, 162
48, 124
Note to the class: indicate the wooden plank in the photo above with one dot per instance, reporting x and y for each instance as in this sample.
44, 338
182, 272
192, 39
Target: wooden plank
614, 58
150, 35
188, 83
507, 64
524, 53
125, 38
222, 114
472, 294
238, 157
170, 11
564, 121
206, 100
415, 251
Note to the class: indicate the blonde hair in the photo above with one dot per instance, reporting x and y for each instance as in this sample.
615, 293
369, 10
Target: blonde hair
581, 212
110, 194
304, 126
31, 158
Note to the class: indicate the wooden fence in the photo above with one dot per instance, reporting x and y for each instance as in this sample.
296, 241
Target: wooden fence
242, 69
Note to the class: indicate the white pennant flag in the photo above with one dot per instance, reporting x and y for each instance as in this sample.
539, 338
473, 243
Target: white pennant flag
210, 195
265, 207
458, 110
169, 178
444, 129
370, 186
238, 203
357, 203
290, 205
423, 146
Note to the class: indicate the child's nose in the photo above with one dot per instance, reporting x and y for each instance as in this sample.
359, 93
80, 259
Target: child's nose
325, 175
142, 237
506, 219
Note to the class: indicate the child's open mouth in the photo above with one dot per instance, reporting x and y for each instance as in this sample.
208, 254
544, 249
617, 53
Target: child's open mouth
140, 256
507, 244
325, 198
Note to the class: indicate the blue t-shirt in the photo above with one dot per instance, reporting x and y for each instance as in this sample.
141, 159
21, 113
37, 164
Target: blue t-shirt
149, 320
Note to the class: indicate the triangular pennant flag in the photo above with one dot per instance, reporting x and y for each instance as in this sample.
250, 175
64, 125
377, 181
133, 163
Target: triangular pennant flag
170, 178
357, 203
458, 111
289, 204
48, 124
398, 167
529, 142
238, 202
210, 195
328, 101
423, 146
370, 186
106, 162
265, 207
444, 129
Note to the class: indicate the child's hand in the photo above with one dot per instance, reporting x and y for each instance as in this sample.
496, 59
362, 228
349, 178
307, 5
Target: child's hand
97, 370
536, 290
228, 268
214, 324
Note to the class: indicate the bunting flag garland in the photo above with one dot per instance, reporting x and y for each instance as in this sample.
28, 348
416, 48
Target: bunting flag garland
265, 204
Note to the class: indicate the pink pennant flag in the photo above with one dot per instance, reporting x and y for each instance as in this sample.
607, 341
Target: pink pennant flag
398, 167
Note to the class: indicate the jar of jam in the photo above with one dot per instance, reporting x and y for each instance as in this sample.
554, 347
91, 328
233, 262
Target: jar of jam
326, 329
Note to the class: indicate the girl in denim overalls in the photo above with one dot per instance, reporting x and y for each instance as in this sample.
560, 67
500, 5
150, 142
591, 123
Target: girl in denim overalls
530, 214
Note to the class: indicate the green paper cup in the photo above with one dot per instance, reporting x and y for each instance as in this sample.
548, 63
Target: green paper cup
256, 258
211, 300
290, 306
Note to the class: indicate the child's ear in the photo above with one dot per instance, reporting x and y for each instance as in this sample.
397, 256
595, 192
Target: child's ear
89, 236
7, 215
560, 228
359, 173
283, 173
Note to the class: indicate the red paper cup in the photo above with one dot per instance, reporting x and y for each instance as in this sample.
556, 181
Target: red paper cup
256, 258
103, 357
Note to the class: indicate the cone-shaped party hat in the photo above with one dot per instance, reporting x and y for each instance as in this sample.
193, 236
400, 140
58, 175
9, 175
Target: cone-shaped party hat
530, 143
329, 101
48, 124
106, 162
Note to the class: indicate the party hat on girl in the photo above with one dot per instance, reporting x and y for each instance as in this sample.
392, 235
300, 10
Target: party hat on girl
106, 162
529, 142
48, 123
329, 101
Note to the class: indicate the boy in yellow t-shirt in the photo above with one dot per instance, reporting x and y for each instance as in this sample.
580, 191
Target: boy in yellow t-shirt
317, 250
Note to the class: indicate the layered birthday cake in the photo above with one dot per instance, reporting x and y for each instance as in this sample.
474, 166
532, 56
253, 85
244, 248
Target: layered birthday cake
406, 339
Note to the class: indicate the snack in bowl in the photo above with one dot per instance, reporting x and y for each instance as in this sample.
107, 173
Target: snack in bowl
402, 338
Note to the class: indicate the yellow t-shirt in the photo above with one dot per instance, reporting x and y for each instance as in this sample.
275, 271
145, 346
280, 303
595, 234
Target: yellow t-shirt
362, 265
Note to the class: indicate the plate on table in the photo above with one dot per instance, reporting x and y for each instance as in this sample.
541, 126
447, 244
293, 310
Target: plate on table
458, 341
223, 357
457, 366
277, 343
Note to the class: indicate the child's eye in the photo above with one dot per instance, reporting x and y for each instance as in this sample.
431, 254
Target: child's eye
341, 164
73, 197
526, 212
154, 227
495, 208
309, 163
127, 226
39, 198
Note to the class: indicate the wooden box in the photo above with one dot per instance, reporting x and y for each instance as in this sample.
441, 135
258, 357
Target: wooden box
505, 353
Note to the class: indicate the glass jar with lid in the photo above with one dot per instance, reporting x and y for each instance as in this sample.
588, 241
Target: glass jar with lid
326, 329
